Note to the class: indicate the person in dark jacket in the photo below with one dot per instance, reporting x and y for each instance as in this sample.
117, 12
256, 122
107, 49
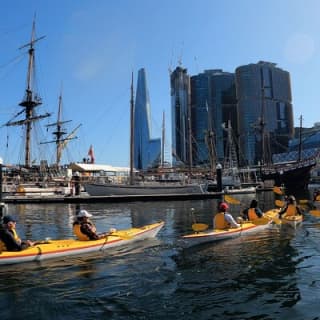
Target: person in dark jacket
253, 212
9, 239
291, 208
84, 229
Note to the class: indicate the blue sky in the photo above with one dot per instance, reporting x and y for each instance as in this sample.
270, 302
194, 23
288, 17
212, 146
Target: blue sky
91, 48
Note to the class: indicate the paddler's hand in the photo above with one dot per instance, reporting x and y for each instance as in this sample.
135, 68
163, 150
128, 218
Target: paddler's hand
30, 243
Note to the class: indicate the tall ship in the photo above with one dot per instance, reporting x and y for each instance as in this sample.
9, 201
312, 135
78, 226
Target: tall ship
147, 186
34, 174
30, 101
294, 174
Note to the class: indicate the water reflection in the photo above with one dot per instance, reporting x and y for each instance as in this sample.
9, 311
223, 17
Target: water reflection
270, 275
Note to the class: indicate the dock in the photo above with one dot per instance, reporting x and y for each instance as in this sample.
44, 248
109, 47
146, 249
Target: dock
85, 198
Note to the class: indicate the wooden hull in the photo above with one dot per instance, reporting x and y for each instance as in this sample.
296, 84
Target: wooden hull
71, 247
291, 174
292, 221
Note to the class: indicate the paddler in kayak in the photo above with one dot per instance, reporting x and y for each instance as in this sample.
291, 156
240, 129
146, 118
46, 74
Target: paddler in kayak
291, 208
84, 229
9, 238
253, 212
223, 219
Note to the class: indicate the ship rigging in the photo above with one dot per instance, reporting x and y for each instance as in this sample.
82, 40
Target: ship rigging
30, 101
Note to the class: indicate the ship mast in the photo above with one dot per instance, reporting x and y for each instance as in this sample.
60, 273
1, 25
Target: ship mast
31, 99
163, 139
60, 140
189, 129
231, 161
210, 142
131, 132
300, 140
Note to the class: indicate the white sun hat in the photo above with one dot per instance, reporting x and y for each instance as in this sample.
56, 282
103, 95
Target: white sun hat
84, 213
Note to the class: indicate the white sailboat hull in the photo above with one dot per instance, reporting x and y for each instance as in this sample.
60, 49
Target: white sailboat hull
96, 189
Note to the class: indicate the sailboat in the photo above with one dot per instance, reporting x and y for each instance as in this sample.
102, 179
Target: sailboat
293, 174
30, 102
33, 179
144, 188
61, 140
231, 179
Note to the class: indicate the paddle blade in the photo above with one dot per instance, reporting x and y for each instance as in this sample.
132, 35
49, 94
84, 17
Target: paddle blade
231, 200
277, 190
279, 203
198, 227
273, 216
315, 213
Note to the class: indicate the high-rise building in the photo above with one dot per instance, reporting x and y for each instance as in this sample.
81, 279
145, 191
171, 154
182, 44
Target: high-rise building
146, 150
265, 117
181, 116
213, 102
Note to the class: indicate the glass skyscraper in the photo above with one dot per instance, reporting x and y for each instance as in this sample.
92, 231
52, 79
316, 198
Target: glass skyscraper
265, 116
147, 151
213, 101
181, 116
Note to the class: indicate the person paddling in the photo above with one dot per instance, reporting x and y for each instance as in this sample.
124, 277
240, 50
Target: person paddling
9, 238
253, 212
223, 219
84, 229
291, 208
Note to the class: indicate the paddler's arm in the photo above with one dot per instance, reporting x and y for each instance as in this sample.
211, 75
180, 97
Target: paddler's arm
229, 218
259, 212
87, 229
12, 244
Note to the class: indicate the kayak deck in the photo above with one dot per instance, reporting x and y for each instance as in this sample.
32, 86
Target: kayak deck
222, 234
67, 247
292, 220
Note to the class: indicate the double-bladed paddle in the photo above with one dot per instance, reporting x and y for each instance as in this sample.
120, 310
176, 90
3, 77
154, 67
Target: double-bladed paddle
232, 200
197, 227
315, 213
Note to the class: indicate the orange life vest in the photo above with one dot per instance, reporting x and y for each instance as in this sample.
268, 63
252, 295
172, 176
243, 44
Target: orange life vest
78, 233
220, 222
252, 214
291, 210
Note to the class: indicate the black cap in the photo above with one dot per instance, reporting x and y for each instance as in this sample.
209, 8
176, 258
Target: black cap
7, 219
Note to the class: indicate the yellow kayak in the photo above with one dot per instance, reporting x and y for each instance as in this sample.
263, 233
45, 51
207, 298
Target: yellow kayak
247, 227
292, 221
69, 247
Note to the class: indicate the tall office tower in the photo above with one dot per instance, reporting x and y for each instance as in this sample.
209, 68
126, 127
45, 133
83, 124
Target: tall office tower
181, 116
213, 103
146, 150
265, 116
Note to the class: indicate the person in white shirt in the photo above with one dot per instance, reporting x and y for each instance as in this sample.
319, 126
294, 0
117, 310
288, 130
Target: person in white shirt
223, 219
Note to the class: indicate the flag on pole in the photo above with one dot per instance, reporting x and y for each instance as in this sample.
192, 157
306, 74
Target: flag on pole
91, 154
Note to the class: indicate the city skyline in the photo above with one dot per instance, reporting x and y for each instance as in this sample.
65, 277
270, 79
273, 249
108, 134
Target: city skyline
90, 51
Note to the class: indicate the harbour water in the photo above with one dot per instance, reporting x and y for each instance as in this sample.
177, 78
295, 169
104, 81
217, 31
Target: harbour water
271, 275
